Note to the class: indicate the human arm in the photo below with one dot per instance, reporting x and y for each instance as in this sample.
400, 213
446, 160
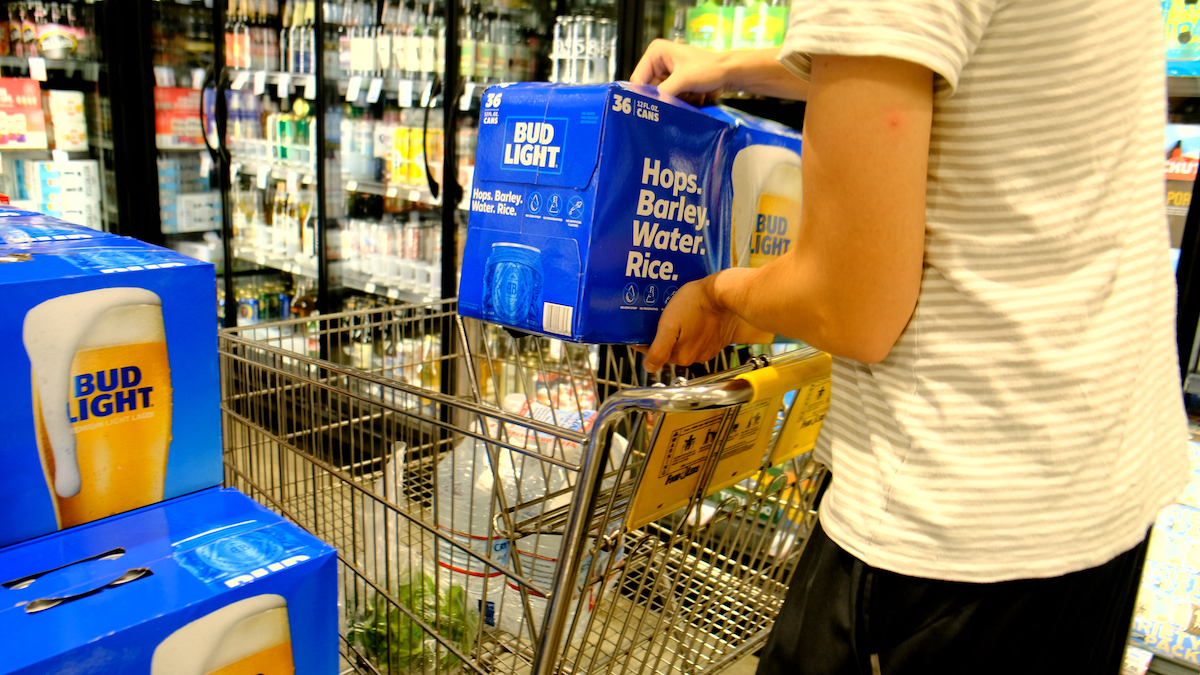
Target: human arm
697, 75
850, 284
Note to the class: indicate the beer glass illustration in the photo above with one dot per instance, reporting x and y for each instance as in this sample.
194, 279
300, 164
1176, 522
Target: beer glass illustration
249, 637
767, 183
101, 400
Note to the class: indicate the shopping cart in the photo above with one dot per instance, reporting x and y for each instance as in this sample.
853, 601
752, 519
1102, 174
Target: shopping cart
516, 504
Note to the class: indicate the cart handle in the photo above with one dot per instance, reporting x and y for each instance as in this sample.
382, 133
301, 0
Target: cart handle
788, 373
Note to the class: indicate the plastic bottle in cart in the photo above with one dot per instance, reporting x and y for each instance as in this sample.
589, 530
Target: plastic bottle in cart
464, 511
538, 554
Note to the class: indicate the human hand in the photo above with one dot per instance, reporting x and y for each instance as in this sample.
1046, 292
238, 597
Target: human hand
692, 74
694, 327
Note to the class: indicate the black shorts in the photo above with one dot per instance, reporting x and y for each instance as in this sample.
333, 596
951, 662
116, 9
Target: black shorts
842, 616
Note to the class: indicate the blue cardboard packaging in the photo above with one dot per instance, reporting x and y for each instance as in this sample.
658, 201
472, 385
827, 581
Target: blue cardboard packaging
593, 204
765, 177
206, 584
113, 398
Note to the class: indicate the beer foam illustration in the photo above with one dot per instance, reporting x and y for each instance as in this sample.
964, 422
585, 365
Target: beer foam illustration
53, 332
756, 169
225, 637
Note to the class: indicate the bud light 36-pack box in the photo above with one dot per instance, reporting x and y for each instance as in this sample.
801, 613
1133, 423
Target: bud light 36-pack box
592, 205
210, 583
112, 401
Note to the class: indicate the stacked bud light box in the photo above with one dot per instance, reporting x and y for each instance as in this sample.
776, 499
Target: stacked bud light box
119, 552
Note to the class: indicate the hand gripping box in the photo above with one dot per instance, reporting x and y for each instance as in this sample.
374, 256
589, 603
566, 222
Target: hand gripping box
593, 204
112, 398
207, 584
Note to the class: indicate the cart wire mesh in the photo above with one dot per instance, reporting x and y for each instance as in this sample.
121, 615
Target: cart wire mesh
443, 458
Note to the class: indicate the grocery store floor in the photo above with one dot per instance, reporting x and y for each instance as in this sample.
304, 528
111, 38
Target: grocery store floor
746, 666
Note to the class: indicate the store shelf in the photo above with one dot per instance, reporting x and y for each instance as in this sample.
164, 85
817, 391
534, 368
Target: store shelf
90, 70
409, 92
305, 174
412, 193
281, 264
390, 291
240, 79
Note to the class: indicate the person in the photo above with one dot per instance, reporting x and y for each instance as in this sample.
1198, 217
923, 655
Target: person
984, 251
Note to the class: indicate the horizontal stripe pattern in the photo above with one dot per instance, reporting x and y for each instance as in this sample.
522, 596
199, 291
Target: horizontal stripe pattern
1029, 422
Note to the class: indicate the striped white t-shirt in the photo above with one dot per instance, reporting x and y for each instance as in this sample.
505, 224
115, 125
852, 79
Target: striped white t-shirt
1029, 421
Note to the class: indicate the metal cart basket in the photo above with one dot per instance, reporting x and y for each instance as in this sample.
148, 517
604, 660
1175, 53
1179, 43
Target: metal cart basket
515, 504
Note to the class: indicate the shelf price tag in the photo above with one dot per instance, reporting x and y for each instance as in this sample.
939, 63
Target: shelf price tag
370, 287
464, 103
37, 68
353, 89
240, 80
264, 172
206, 163
393, 293
351, 185
406, 93
198, 79
234, 170
285, 85
392, 192
293, 181
414, 196
260, 82
310, 87
426, 94
374, 89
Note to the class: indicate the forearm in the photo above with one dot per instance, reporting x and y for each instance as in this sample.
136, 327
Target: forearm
802, 297
757, 71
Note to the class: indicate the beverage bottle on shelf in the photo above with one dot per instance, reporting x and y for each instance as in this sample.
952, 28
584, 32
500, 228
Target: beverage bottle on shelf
296, 47
29, 24
259, 36
363, 53
467, 40
679, 26
416, 147
5, 50
16, 13
245, 43
307, 225
344, 14
292, 229
230, 35
81, 18
285, 26
384, 37
414, 29
558, 47
364, 147
271, 27
429, 43
485, 49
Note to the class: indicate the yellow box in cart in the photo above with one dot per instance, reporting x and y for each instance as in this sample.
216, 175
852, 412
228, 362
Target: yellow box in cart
112, 398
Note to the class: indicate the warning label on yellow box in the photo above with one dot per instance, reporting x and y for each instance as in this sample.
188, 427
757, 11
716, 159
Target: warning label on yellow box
684, 442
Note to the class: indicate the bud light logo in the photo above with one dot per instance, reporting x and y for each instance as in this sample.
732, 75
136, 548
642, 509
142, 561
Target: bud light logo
105, 393
534, 144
